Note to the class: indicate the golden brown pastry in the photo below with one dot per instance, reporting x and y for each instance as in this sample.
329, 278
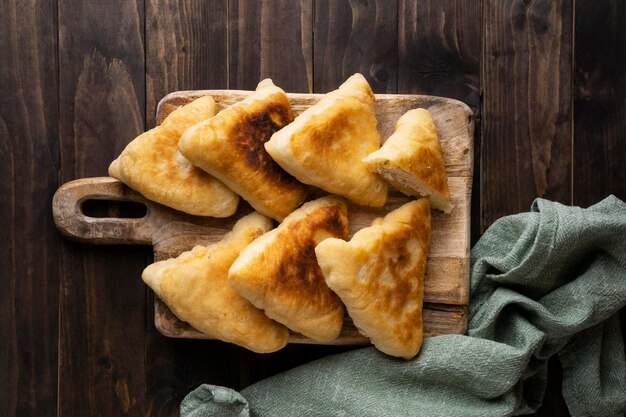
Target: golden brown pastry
325, 145
152, 165
195, 287
379, 276
411, 160
230, 147
278, 272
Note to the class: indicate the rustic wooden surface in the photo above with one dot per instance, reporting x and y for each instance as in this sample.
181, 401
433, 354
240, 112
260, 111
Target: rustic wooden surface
526, 72
29, 164
102, 100
81, 79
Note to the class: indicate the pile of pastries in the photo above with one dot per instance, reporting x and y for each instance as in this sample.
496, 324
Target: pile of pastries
261, 280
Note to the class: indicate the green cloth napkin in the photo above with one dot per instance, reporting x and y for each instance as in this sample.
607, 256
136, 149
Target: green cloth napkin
545, 282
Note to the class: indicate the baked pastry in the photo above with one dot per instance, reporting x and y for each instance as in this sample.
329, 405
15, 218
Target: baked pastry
325, 144
152, 165
195, 287
411, 161
230, 147
278, 272
379, 276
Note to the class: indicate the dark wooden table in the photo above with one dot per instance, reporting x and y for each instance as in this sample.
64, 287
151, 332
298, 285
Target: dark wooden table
545, 78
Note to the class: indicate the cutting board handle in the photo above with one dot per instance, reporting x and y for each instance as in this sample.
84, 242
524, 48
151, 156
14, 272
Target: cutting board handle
72, 222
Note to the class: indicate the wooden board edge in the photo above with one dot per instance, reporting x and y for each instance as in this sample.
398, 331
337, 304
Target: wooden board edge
199, 93
438, 319
186, 94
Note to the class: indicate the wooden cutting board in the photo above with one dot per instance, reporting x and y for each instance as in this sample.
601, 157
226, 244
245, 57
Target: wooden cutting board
170, 232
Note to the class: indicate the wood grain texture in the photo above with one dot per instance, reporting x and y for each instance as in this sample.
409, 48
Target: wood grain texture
29, 245
439, 53
270, 39
526, 151
102, 99
260, 38
527, 109
438, 319
599, 102
171, 232
295, 65
599, 105
439, 49
222, 44
186, 48
355, 36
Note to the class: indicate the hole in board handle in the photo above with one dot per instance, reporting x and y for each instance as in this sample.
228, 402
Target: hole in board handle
113, 209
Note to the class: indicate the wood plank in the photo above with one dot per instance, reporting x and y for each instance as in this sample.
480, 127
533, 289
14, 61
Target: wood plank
355, 36
526, 116
439, 49
600, 105
439, 54
527, 109
186, 48
102, 99
29, 243
599, 102
261, 47
270, 38
438, 319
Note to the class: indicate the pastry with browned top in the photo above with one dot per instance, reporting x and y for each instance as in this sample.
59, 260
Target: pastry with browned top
379, 276
229, 146
152, 165
325, 144
195, 287
411, 160
279, 273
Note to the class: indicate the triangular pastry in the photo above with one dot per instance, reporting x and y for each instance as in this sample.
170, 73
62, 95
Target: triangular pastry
195, 287
278, 272
152, 165
379, 276
230, 147
325, 144
411, 161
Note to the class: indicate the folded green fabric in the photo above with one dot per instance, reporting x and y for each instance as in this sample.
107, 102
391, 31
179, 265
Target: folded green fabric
545, 282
